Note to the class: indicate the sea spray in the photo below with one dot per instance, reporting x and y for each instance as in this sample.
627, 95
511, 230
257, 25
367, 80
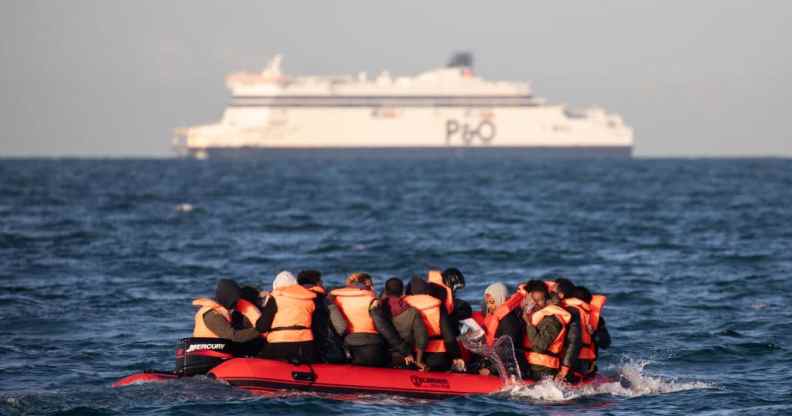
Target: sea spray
630, 380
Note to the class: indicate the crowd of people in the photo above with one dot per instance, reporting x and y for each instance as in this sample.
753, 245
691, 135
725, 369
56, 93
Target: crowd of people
556, 328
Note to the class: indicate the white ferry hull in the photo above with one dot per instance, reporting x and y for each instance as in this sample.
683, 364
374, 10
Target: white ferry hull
441, 112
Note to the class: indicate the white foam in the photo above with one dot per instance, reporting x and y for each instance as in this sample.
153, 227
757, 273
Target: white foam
629, 381
184, 207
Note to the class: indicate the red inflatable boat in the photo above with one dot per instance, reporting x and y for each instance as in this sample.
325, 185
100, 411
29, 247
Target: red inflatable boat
262, 376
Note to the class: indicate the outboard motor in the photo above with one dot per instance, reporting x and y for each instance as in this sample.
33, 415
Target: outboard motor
199, 355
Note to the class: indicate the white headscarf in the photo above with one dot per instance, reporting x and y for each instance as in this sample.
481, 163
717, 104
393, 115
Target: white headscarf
498, 291
284, 279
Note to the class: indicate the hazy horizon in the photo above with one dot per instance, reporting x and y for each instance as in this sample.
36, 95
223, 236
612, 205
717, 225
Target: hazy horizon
107, 79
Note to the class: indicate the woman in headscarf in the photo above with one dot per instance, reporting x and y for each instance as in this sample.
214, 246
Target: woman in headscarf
502, 318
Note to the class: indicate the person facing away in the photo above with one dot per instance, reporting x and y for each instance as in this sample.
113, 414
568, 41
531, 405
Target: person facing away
329, 345
444, 286
501, 316
546, 326
593, 327
442, 351
287, 318
350, 314
574, 337
402, 327
214, 316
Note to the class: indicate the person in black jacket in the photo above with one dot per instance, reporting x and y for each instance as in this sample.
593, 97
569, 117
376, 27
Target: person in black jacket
329, 345
569, 360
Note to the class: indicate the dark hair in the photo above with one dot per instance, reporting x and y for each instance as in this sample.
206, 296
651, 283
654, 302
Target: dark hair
309, 277
564, 287
250, 294
582, 293
418, 286
227, 293
453, 278
394, 287
536, 286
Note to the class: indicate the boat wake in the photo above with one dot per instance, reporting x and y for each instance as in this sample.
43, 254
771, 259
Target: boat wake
629, 380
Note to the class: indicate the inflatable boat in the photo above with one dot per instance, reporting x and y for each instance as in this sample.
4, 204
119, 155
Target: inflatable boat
264, 376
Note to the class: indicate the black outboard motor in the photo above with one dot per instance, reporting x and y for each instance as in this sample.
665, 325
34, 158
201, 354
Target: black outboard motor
199, 355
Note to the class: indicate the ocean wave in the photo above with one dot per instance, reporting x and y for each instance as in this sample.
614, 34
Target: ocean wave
630, 381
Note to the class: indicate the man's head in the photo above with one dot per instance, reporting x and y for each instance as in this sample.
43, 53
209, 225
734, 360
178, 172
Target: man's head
454, 279
418, 286
564, 288
309, 278
360, 280
227, 293
582, 293
537, 290
394, 287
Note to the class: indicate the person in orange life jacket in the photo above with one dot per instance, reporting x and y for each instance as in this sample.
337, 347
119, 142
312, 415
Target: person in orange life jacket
598, 336
329, 344
502, 318
574, 336
246, 315
287, 319
442, 351
444, 286
350, 314
545, 332
401, 326
213, 319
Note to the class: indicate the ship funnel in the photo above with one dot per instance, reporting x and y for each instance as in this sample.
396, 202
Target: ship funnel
462, 59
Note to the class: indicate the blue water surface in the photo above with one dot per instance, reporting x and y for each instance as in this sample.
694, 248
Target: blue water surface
99, 260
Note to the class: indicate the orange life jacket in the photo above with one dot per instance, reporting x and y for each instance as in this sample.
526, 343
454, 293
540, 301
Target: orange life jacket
436, 277
549, 358
429, 308
248, 310
492, 321
200, 330
584, 310
292, 321
597, 303
354, 304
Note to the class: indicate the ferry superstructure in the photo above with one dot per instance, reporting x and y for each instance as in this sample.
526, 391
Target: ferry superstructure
442, 111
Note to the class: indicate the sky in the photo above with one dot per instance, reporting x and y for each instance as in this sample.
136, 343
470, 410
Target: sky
113, 78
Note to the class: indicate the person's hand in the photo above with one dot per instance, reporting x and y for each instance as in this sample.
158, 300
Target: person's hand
458, 365
409, 360
562, 374
421, 366
484, 371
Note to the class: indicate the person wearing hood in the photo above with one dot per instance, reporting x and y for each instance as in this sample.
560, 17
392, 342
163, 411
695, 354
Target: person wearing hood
402, 327
214, 318
287, 319
442, 351
329, 345
501, 316
350, 314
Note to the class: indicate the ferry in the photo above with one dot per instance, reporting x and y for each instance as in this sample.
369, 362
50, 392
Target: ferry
444, 112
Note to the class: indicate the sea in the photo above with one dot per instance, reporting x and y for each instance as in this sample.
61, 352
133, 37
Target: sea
100, 259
